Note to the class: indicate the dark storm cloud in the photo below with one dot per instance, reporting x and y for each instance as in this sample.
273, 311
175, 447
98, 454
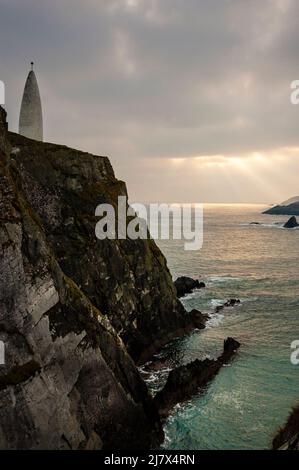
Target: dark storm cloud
157, 78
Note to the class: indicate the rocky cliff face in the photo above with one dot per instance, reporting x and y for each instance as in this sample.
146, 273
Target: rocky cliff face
68, 380
127, 280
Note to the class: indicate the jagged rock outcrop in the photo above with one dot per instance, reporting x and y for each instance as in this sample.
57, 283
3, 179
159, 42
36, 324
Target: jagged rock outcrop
67, 299
185, 285
184, 381
288, 437
127, 280
291, 223
199, 319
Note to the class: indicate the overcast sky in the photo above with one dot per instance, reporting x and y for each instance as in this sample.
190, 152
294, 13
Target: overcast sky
190, 99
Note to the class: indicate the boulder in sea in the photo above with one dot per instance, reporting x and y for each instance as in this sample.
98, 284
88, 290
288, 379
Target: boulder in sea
185, 285
219, 308
232, 302
291, 223
228, 303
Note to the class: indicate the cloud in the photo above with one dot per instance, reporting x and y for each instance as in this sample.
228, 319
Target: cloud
145, 80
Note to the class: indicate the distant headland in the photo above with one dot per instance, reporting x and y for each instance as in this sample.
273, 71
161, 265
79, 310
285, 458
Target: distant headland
289, 207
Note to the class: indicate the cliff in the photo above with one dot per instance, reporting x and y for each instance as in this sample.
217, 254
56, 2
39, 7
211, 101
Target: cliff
72, 306
127, 280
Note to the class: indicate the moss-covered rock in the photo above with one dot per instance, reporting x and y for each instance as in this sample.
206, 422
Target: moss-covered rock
127, 280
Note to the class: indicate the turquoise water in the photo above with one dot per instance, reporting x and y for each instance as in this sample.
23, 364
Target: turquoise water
249, 399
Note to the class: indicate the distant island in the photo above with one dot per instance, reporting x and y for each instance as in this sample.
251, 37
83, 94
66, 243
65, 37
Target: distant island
289, 207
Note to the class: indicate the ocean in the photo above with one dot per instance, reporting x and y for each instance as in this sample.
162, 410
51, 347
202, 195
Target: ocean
247, 402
